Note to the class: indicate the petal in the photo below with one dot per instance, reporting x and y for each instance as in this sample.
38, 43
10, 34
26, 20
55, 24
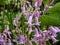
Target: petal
53, 39
36, 33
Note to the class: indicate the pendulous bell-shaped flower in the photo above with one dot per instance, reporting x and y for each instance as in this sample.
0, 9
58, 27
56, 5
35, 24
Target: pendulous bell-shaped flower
29, 18
22, 38
15, 22
16, 39
58, 30
53, 39
53, 31
6, 32
40, 2
36, 33
36, 16
23, 9
9, 42
36, 4
2, 41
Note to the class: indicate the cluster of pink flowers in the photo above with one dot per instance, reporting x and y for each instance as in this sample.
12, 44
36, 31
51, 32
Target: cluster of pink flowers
42, 36
5, 37
39, 36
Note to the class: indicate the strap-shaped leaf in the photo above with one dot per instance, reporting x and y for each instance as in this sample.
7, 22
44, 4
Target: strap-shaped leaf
48, 20
54, 11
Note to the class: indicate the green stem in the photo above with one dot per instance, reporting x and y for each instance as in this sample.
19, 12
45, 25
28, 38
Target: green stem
44, 42
36, 43
49, 43
22, 23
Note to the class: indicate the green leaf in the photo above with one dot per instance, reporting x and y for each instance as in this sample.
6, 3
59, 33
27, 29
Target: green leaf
46, 2
56, 1
48, 20
3, 2
54, 11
